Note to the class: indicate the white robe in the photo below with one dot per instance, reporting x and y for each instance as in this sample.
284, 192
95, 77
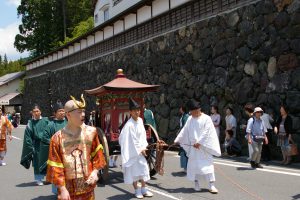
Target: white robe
132, 141
199, 130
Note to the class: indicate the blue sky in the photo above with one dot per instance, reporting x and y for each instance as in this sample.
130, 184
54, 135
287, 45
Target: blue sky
9, 23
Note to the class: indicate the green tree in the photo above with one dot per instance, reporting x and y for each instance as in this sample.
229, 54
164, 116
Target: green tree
76, 12
12, 66
21, 86
40, 26
43, 23
5, 62
0, 60
80, 29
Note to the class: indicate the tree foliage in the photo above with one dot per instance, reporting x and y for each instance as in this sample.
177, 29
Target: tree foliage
80, 29
7, 67
42, 28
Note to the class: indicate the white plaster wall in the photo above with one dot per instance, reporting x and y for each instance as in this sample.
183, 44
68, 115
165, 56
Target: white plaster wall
98, 36
59, 54
71, 49
10, 87
65, 52
143, 14
159, 6
118, 27
77, 47
90, 40
121, 6
108, 32
175, 3
130, 21
83, 44
50, 58
55, 56
99, 10
46, 60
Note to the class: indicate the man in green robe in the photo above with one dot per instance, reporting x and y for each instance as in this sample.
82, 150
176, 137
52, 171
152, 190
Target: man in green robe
55, 125
58, 123
149, 117
32, 143
184, 115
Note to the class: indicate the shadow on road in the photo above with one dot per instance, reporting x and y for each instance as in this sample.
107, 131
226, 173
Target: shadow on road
30, 184
52, 197
178, 174
115, 178
125, 194
296, 197
173, 190
244, 168
180, 190
122, 196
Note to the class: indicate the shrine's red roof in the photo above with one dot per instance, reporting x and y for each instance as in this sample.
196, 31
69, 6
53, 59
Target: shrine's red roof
121, 83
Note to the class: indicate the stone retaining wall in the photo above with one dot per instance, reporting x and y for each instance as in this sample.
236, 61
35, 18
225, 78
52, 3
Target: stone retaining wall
248, 55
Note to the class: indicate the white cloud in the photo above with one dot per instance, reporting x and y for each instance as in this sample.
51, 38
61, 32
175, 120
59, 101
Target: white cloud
14, 2
7, 38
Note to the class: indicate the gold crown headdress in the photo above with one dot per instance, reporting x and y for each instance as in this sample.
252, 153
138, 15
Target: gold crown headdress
79, 104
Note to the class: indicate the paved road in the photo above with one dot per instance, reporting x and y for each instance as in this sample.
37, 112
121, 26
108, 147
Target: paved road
235, 181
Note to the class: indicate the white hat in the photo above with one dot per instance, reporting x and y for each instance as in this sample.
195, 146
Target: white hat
258, 109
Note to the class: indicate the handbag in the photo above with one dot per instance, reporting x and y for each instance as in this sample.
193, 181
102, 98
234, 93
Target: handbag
294, 150
258, 138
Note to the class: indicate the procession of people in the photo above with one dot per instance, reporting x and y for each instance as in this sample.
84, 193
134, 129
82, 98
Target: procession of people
66, 152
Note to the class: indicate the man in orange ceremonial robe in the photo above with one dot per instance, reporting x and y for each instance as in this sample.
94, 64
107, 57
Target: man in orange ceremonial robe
5, 128
75, 156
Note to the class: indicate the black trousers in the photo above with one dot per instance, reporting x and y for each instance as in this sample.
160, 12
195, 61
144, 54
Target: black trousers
233, 151
266, 153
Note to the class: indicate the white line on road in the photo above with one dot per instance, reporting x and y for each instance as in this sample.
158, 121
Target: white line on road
163, 194
22, 126
156, 191
265, 170
16, 138
247, 164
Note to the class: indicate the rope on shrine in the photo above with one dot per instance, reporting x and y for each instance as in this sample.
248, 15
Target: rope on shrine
159, 151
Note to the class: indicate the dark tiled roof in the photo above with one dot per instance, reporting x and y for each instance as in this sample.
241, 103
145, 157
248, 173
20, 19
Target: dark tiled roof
10, 77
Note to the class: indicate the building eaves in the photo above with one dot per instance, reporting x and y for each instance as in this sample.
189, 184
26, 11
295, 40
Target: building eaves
95, 29
10, 77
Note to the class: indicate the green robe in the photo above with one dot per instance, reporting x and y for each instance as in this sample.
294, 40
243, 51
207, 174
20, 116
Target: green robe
183, 119
32, 143
50, 130
149, 118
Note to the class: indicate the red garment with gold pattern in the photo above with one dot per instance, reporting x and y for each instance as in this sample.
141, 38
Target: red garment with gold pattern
72, 159
5, 126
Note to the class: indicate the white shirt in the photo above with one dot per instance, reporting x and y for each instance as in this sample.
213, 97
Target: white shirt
267, 119
231, 124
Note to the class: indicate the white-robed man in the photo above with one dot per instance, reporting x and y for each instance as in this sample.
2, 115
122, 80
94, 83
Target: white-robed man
199, 139
134, 144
